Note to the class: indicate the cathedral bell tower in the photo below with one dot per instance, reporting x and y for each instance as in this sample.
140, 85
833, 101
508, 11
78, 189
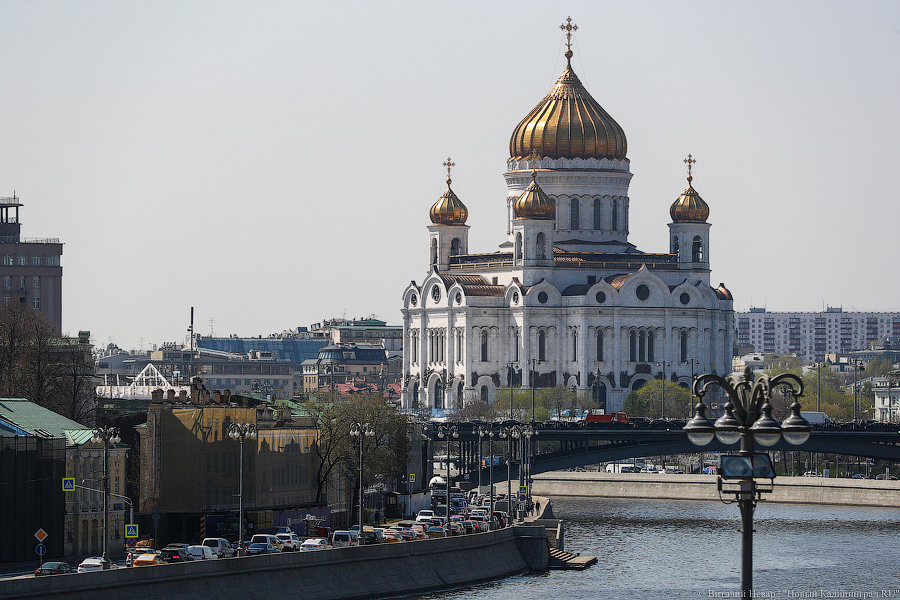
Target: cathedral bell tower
448, 234
533, 225
689, 231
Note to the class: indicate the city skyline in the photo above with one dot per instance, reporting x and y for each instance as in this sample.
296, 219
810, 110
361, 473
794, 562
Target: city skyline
272, 165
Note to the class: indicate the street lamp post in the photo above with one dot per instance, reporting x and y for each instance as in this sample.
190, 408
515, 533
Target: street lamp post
510, 372
748, 420
106, 435
448, 431
533, 383
663, 364
241, 431
361, 430
857, 367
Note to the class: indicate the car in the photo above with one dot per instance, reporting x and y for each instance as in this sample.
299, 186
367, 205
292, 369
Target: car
148, 560
176, 555
392, 537
342, 539
454, 528
857, 476
290, 541
220, 546
133, 553
53, 568
267, 538
882, 476
261, 548
469, 526
425, 515
406, 535
435, 532
419, 531
314, 544
95, 563
201, 552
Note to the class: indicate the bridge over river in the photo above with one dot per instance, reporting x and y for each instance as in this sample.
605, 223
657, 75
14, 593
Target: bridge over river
556, 446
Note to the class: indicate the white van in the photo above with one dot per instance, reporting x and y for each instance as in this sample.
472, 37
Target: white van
342, 539
220, 547
202, 552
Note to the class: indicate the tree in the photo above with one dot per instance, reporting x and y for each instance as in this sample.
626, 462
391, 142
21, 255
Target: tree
785, 363
386, 454
647, 401
877, 367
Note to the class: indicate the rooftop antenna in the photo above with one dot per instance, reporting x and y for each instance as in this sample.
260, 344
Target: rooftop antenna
212, 323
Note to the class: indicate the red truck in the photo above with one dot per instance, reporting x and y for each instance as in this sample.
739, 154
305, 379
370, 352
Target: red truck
595, 416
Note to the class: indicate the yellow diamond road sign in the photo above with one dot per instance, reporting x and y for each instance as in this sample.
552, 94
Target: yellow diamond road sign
41, 535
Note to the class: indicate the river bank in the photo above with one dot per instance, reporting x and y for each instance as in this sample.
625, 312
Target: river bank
790, 490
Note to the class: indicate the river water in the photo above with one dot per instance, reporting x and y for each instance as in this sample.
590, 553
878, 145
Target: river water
687, 549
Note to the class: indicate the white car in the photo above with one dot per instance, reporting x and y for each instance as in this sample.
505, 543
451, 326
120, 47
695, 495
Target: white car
314, 544
290, 541
220, 546
424, 515
95, 563
202, 552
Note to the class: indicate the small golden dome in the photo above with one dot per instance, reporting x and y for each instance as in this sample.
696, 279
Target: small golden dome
689, 207
534, 203
568, 123
449, 210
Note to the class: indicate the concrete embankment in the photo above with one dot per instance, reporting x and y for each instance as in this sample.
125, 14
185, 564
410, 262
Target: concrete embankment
792, 490
345, 573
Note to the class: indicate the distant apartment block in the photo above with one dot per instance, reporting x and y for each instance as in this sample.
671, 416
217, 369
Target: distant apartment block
812, 335
29, 267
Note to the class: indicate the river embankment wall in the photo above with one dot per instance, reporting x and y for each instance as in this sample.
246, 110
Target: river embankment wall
791, 490
337, 574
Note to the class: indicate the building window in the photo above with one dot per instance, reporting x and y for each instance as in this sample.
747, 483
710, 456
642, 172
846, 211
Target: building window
36, 282
542, 345
684, 346
36, 260
434, 251
597, 213
454, 246
518, 246
632, 346
574, 346
642, 346
53, 261
516, 345
8, 260
484, 394
573, 215
484, 346
675, 245
36, 302
697, 250
541, 250
615, 215
7, 283
650, 346
23, 260
600, 346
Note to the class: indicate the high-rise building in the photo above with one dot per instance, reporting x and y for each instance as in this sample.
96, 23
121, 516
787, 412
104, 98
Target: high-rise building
566, 299
29, 267
813, 335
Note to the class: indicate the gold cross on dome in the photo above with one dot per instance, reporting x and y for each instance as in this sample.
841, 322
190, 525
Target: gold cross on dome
569, 27
689, 161
449, 164
534, 157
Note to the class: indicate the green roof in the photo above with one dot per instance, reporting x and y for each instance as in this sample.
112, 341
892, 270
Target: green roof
40, 421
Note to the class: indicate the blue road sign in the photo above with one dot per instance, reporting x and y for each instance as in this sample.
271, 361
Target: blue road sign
41, 549
131, 531
68, 484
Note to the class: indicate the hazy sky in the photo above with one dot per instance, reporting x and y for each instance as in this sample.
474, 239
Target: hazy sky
272, 163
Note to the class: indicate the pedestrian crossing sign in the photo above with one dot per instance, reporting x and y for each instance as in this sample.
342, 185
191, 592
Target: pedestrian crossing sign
131, 531
523, 490
412, 477
68, 484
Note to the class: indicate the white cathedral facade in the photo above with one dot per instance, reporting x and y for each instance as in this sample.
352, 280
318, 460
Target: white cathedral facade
566, 300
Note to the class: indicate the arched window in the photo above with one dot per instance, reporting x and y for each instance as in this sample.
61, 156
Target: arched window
484, 394
642, 346
518, 246
615, 215
600, 346
516, 346
414, 347
697, 250
573, 214
632, 346
542, 345
597, 213
484, 346
434, 252
541, 246
675, 245
439, 394
574, 346
650, 346
454, 246
684, 349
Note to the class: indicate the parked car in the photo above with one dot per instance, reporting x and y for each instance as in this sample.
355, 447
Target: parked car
290, 541
261, 548
267, 538
95, 563
342, 539
220, 546
314, 544
175, 555
202, 552
149, 560
53, 568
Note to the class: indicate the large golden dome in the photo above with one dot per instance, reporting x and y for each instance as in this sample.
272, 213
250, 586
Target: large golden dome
568, 123
689, 207
534, 203
449, 210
